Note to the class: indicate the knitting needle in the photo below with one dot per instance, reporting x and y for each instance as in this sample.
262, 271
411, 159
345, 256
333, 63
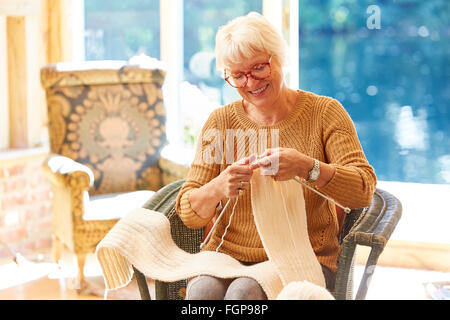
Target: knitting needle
251, 159
297, 179
215, 224
346, 209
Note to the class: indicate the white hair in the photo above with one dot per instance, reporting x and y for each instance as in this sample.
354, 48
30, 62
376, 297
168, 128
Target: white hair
246, 36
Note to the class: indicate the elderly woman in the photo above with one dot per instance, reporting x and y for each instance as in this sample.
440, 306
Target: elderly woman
316, 142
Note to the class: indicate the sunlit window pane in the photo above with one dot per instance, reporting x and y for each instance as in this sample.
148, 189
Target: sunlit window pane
118, 30
203, 88
388, 64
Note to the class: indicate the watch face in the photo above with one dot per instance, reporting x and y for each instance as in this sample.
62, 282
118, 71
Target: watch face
315, 174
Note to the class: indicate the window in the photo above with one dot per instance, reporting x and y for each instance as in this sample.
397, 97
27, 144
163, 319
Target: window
204, 88
193, 87
118, 30
391, 80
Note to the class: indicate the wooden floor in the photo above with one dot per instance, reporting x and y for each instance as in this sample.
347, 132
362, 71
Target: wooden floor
43, 289
45, 280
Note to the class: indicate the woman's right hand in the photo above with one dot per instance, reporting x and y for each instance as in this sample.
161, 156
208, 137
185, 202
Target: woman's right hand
235, 177
228, 184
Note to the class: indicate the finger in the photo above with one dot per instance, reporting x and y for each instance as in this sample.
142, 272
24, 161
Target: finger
233, 194
247, 160
254, 165
266, 153
268, 160
238, 189
238, 179
269, 151
240, 170
242, 161
244, 185
265, 162
273, 167
252, 158
261, 163
240, 185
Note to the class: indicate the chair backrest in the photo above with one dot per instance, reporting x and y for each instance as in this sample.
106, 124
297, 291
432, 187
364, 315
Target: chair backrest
371, 226
109, 116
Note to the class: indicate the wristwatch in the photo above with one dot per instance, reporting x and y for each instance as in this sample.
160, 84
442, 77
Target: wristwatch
314, 173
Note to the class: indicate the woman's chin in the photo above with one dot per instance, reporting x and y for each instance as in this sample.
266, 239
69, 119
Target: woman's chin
261, 98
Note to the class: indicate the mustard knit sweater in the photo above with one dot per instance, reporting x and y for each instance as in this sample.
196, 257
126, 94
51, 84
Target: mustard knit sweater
319, 127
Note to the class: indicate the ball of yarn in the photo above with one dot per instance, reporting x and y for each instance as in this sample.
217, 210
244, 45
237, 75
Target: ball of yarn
304, 290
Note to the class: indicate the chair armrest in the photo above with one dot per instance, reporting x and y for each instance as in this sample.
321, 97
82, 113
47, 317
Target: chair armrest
164, 201
65, 172
70, 182
373, 228
171, 171
379, 222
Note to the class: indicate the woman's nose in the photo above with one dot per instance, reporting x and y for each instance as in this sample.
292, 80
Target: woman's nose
251, 82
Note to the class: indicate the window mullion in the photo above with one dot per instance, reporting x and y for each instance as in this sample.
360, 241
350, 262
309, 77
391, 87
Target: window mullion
293, 41
273, 11
4, 104
283, 15
77, 9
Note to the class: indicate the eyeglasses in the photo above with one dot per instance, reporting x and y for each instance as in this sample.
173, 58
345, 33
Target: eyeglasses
259, 71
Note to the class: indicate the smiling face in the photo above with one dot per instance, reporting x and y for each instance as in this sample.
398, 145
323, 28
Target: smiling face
260, 93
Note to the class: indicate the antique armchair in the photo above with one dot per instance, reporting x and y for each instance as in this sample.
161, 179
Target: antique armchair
371, 226
106, 123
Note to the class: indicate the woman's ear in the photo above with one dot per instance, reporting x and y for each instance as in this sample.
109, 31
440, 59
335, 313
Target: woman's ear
275, 62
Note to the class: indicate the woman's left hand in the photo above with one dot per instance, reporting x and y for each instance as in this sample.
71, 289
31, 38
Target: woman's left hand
283, 163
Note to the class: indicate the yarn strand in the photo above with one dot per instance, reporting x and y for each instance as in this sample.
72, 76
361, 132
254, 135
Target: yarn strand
229, 222
215, 224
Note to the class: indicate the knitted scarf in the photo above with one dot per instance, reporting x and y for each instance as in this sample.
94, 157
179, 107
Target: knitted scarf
142, 238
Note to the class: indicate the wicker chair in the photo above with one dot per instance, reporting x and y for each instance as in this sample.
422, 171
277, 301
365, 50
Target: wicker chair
106, 129
371, 226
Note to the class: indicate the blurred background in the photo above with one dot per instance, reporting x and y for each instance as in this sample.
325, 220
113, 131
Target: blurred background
393, 81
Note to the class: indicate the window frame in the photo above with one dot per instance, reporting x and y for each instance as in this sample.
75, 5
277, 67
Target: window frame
282, 14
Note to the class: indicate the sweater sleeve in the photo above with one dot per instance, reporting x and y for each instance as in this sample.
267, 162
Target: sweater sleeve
205, 167
354, 182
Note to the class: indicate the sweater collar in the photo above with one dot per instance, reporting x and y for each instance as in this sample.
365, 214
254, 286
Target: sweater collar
246, 122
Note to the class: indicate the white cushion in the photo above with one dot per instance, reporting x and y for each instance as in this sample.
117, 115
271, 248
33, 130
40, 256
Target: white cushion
114, 205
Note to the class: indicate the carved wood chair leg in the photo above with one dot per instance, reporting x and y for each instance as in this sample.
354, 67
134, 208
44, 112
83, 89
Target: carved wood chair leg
56, 249
81, 261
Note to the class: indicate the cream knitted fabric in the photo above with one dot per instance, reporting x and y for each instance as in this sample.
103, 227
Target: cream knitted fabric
281, 222
142, 238
304, 290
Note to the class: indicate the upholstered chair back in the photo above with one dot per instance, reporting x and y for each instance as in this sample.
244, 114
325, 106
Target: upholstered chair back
109, 116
